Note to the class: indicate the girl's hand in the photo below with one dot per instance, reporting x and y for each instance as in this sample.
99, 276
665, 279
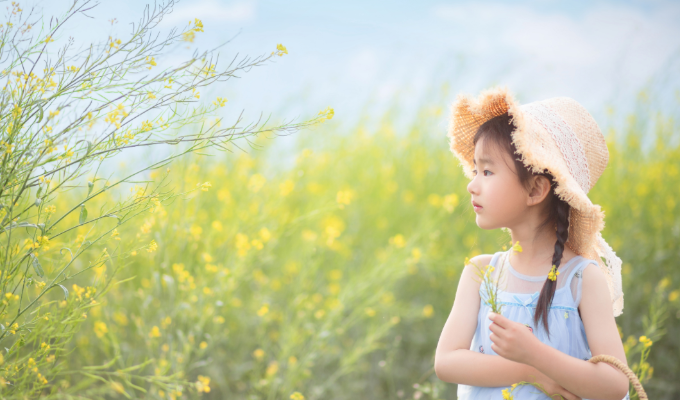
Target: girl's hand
516, 342
512, 340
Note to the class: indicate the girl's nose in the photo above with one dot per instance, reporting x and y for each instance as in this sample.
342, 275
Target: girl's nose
472, 187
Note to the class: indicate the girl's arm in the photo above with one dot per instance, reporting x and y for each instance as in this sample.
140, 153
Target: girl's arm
455, 363
583, 378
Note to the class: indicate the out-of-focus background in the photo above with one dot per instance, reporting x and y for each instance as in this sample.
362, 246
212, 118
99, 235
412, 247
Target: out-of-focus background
361, 57
324, 264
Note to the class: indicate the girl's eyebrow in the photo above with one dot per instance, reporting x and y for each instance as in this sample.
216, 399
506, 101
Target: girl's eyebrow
484, 160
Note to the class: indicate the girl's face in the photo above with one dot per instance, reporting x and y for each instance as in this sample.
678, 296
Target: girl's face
498, 197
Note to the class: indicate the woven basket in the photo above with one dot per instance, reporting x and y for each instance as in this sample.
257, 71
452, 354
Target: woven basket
613, 361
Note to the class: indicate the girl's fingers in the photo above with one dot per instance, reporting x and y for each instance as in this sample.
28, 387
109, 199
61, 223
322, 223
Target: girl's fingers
496, 349
493, 337
495, 328
498, 319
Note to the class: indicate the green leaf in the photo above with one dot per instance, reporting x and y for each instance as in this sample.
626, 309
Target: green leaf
15, 225
69, 250
40, 115
37, 267
83, 214
90, 185
65, 291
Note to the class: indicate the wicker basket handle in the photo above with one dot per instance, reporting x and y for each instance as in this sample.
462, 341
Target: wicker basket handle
615, 362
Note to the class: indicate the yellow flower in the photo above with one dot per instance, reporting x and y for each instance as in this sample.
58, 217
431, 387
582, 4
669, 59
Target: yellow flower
281, 49
155, 332
398, 241
265, 235
259, 353
242, 244
328, 113
272, 368
343, 198
152, 246
297, 396
147, 126
257, 244
151, 61
450, 202
553, 273
100, 329
263, 310
674, 295
516, 247
428, 310
220, 102
645, 341
507, 395
202, 384
198, 25
189, 36
286, 187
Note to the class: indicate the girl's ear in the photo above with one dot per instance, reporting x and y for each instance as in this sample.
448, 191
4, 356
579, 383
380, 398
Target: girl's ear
540, 188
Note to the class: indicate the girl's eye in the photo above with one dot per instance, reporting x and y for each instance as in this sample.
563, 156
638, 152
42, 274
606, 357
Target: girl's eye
485, 171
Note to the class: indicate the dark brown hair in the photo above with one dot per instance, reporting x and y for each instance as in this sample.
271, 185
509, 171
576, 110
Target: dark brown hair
497, 131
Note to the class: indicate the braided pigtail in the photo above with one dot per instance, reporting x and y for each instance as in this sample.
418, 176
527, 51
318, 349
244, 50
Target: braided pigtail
561, 212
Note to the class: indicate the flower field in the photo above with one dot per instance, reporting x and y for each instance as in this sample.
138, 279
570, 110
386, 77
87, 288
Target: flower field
328, 279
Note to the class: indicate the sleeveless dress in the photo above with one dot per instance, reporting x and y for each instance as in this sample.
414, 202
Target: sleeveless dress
518, 294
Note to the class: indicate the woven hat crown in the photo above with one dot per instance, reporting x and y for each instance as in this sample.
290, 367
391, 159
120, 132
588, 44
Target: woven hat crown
578, 138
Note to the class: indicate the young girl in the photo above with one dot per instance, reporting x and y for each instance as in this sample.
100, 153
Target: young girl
531, 168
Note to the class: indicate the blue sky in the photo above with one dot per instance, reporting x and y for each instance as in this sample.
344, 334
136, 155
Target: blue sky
343, 54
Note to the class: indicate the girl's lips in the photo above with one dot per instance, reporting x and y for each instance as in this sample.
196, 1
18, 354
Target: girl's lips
476, 206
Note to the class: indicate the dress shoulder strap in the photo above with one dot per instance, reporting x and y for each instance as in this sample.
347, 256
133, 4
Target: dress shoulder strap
577, 271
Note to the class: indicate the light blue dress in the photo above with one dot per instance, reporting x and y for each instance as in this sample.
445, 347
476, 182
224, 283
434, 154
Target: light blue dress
567, 333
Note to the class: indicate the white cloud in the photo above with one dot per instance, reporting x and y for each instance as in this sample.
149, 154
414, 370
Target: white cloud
603, 45
212, 10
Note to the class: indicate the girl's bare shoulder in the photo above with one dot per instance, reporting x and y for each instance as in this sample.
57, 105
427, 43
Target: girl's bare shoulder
479, 261
474, 265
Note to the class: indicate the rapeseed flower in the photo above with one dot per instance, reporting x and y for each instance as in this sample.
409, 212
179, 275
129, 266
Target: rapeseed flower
553, 273
202, 384
155, 332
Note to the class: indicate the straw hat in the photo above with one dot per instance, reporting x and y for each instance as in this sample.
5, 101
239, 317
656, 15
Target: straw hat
557, 134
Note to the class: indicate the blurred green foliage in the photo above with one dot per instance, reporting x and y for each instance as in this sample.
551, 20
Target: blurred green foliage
333, 278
